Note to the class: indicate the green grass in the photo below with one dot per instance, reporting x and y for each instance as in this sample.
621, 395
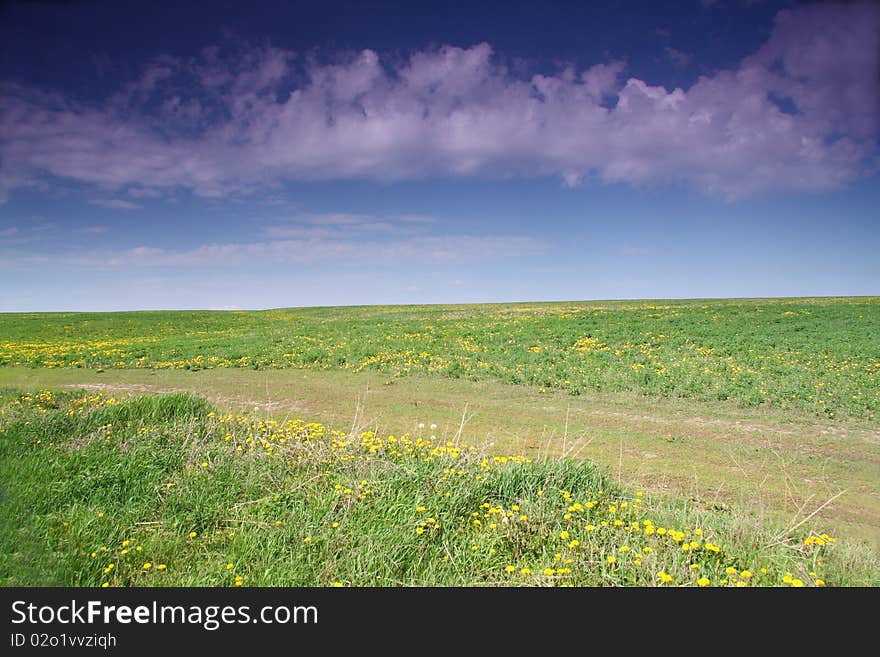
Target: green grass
95, 488
817, 355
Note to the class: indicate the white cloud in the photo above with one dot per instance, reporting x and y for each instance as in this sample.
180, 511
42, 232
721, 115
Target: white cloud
235, 124
307, 250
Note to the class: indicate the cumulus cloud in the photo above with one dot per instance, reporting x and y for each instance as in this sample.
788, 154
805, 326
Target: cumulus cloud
224, 123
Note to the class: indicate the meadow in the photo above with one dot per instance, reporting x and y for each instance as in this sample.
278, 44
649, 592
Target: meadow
696, 443
819, 355
164, 491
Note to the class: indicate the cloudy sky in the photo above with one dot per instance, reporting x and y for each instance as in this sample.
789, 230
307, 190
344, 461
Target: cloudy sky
254, 155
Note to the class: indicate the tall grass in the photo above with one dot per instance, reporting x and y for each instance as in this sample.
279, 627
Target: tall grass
164, 491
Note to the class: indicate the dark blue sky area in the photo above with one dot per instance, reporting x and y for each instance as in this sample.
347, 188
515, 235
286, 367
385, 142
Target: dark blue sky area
90, 45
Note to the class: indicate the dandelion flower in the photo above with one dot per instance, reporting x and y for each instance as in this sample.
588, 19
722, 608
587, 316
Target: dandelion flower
193, 534
148, 565
161, 566
612, 559
229, 566
509, 569
703, 582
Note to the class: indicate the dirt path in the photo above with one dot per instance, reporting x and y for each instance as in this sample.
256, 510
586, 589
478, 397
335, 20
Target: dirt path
768, 461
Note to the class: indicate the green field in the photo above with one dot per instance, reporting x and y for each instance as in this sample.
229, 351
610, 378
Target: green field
163, 491
752, 421
819, 355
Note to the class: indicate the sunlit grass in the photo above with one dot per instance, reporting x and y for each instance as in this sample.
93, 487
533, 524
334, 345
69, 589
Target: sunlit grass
165, 491
819, 355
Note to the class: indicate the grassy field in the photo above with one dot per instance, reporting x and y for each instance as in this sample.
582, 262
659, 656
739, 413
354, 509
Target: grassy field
818, 355
752, 420
164, 491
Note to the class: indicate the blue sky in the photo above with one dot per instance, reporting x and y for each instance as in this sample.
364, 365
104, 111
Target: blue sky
231, 155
